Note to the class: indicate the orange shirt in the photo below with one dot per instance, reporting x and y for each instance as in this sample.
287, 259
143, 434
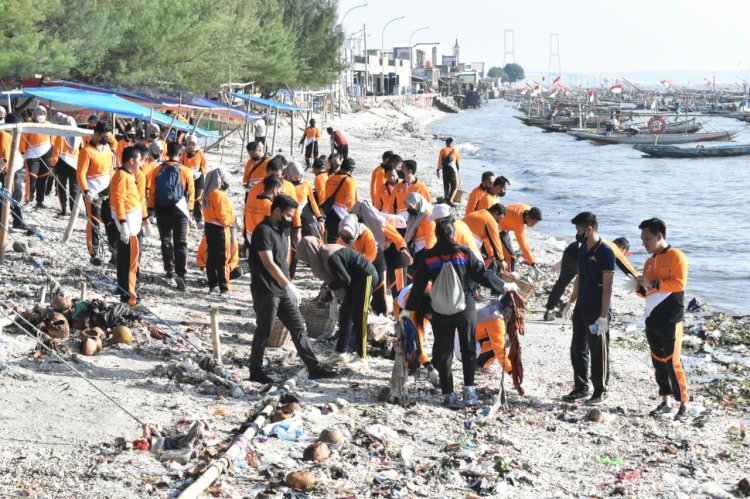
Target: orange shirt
392, 236
479, 199
464, 237
256, 209
287, 189
365, 244
401, 190
376, 182
305, 196
121, 145
6, 142
187, 183
513, 221
197, 161
484, 228
219, 210
35, 145
320, 186
446, 151
255, 170
93, 164
346, 196
124, 195
312, 132
425, 237
384, 199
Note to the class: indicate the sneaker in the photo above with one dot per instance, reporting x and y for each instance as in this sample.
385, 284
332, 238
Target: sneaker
576, 395
322, 372
212, 290
451, 401
597, 399
549, 315
662, 408
113, 259
170, 281
682, 414
260, 376
95, 260
470, 396
340, 358
357, 363
62, 213
180, 283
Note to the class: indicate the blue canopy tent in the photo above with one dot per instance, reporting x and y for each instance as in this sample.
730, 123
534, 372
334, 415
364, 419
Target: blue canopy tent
278, 106
237, 113
83, 99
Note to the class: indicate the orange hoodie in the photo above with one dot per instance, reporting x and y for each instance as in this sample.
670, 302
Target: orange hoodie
95, 168
484, 228
513, 221
219, 210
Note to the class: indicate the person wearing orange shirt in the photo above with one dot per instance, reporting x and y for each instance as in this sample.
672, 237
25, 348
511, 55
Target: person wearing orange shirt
37, 151
128, 140
321, 177
490, 337
219, 216
463, 234
94, 173
449, 162
255, 167
662, 284
409, 185
91, 125
343, 188
232, 257
384, 200
313, 223
484, 226
129, 212
171, 198
258, 203
377, 179
6, 143
420, 230
65, 160
517, 218
359, 237
487, 193
193, 158
153, 134
310, 139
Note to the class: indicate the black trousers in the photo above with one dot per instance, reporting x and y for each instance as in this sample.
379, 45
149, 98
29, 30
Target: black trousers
378, 290
343, 150
450, 182
505, 239
585, 345
353, 315
128, 268
568, 271
311, 150
444, 328
173, 231
37, 175
97, 214
666, 345
15, 209
332, 227
67, 190
197, 210
267, 309
216, 262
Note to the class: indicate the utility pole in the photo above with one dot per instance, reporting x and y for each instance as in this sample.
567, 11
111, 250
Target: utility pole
509, 42
367, 59
554, 54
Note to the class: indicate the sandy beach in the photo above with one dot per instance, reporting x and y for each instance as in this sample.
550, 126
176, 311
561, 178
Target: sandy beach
59, 434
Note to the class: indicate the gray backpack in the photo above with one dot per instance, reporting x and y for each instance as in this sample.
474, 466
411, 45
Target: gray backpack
447, 292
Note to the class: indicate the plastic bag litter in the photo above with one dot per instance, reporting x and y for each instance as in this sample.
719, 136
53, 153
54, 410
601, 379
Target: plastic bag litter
288, 429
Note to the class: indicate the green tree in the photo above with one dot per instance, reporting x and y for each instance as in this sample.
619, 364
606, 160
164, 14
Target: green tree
270, 60
497, 72
514, 72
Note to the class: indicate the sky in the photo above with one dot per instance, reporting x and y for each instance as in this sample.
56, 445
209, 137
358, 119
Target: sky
596, 37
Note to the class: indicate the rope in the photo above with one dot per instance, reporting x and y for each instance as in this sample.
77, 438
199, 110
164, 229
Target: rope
61, 359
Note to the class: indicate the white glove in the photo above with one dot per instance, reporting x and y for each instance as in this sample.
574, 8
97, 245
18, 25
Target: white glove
537, 272
515, 275
404, 315
433, 376
147, 228
567, 311
125, 233
510, 286
293, 293
631, 284
152, 219
602, 325
92, 197
192, 223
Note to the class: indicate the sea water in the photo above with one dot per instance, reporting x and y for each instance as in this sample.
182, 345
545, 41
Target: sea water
704, 202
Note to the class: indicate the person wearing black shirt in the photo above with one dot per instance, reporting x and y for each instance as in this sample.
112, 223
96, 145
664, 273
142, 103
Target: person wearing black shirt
273, 293
593, 290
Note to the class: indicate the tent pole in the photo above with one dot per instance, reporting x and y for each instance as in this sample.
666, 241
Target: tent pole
291, 139
275, 124
5, 215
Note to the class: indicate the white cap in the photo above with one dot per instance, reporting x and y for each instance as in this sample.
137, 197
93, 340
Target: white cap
3, 112
439, 211
191, 138
153, 127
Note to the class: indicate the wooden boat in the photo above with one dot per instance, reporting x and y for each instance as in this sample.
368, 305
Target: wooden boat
694, 152
665, 139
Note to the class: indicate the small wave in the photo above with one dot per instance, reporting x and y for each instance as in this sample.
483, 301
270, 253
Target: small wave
565, 196
530, 188
467, 148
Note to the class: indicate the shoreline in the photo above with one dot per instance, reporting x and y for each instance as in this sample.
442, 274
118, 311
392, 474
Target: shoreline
550, 447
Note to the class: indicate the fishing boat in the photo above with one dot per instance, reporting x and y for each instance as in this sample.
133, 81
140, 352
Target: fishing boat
665, 139
698, 151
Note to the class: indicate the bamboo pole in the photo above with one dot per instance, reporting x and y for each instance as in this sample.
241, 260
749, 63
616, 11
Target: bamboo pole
215, 341
9, 177
83, 290
73, 216
291, 138
275, 124
226, 462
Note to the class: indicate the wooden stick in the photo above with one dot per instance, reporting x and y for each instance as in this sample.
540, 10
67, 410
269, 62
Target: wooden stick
13, 166
83, 290
73, 216
215, 341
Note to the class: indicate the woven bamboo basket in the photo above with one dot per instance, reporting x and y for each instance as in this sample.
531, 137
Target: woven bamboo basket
320, 316
279, 335
525, 288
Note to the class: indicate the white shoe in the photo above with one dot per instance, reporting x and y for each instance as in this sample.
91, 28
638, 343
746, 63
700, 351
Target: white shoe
357, 363
340, 358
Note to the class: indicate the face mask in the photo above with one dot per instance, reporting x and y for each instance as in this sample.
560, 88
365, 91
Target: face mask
581, 238
502, 194
391, 183
103, 141
190, 154
131, 136
41, 118
413, 212
154, 135
224, 186
400, 174
284, 224
296, 182
347, 239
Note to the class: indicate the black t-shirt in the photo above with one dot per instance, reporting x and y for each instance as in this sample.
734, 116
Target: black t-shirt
591, 265
266, 237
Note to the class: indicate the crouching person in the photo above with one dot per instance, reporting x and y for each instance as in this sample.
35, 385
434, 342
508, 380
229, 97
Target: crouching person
273, 293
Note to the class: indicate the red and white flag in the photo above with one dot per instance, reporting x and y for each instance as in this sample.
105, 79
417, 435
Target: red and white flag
557, 78
591, 95
617, 89
667, 83
565, 90
553, 93
524, 90
536, 91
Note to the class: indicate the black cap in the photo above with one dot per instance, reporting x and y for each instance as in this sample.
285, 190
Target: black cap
94, 118
348, 164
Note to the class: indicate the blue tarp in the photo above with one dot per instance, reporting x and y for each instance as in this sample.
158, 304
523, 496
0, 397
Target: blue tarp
108, 103
202, 102
269, 103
